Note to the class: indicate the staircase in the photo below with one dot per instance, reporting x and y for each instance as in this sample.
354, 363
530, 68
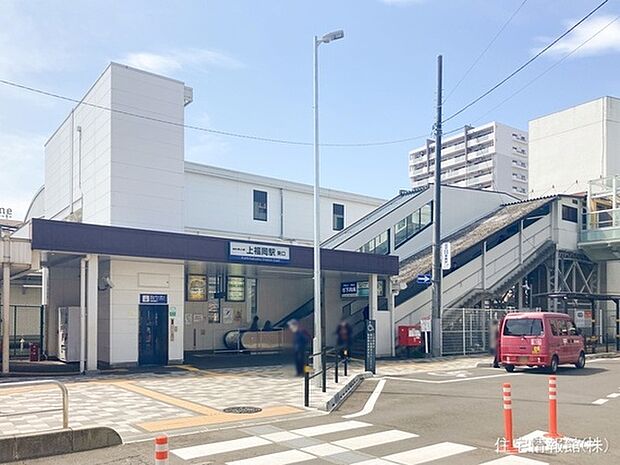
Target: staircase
545, 251
500, 267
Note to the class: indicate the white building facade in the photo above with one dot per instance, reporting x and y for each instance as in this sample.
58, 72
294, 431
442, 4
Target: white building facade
492, 156
116, 166
572, 147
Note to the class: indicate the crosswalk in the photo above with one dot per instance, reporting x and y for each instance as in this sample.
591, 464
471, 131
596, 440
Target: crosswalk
340, 442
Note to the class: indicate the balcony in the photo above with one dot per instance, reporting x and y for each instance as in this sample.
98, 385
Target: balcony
601, 237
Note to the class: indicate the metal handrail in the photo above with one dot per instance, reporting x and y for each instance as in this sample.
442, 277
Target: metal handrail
325, 367
65, 398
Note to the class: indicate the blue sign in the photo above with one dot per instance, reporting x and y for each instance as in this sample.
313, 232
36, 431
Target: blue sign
159, 299
348, 289
424, 279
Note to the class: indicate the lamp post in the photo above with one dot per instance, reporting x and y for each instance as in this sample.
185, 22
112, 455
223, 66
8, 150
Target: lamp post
317, 344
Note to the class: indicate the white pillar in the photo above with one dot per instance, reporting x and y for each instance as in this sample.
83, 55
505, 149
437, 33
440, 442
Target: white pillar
6, 311
93, 308
372, 297
82, 313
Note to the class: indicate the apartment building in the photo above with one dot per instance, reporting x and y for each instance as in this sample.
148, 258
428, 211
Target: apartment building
492, 156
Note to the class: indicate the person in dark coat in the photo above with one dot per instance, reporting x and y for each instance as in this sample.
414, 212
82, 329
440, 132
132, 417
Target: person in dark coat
254, 325
300, 342
344, 336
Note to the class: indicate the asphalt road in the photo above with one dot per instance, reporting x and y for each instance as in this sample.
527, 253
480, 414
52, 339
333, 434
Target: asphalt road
444, 417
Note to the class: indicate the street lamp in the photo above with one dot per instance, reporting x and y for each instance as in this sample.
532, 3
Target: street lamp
317, 344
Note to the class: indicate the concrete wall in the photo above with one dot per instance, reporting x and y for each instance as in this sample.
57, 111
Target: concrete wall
147, 156
89, 180
126, 171
130, 279
574, 146
219, 201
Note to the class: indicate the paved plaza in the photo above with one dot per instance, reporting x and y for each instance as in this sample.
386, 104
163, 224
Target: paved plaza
142, 404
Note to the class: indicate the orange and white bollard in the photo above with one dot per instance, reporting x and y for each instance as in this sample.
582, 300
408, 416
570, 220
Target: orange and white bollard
161, 450
507, 396
553, 408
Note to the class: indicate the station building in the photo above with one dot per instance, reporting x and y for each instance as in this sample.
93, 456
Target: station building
165, 255
158, 256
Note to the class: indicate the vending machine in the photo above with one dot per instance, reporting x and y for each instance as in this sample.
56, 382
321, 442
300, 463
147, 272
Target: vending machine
69, 334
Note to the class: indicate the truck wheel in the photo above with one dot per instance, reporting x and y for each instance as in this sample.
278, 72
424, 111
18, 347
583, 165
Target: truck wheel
581, 361
509, 368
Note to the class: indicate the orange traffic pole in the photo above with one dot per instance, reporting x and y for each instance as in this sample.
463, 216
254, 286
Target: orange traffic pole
507, 397
553, 408
161, 450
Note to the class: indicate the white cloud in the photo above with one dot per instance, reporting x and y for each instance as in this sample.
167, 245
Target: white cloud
21, 165
203, 147
27, 46
608, 41
164, 63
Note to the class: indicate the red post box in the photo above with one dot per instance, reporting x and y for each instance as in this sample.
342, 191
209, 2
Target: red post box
409, 336
34, 352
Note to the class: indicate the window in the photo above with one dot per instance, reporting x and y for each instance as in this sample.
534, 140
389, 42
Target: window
569, 214
523, 327
411, 225
379, 245
337, 217
260, 205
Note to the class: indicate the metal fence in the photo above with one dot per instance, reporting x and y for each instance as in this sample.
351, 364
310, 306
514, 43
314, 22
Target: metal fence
469, 330
473, 330
26, 323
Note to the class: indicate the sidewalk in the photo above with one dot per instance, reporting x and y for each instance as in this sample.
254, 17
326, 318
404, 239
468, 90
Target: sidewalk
185, 398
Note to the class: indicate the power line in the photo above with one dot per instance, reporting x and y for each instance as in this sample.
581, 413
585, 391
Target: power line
486, 49
527, 63
554, 65
205, 129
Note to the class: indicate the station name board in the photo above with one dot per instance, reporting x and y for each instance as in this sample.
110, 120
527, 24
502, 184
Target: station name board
251, 252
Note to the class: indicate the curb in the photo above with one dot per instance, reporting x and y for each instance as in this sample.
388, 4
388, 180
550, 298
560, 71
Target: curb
340, 396
32, 446
588, 357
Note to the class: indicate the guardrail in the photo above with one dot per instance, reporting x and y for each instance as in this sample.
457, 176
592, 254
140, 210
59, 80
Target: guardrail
325, 368
63, 390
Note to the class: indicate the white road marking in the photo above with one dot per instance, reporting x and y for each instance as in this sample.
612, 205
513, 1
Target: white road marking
323, 450
514, 460
279, 458
374, 439
428, 453
600, 401
613, 395
374, 462
458, 380
370, 403
280, 436
203, 450
330, 428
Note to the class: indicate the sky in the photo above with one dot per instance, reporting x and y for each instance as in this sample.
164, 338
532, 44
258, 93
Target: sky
250, 65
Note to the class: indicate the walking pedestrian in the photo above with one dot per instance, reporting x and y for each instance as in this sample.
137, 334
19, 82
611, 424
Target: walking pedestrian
344, 336
300, 342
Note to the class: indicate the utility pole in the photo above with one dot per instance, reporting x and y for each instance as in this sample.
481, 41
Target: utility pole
437, 273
